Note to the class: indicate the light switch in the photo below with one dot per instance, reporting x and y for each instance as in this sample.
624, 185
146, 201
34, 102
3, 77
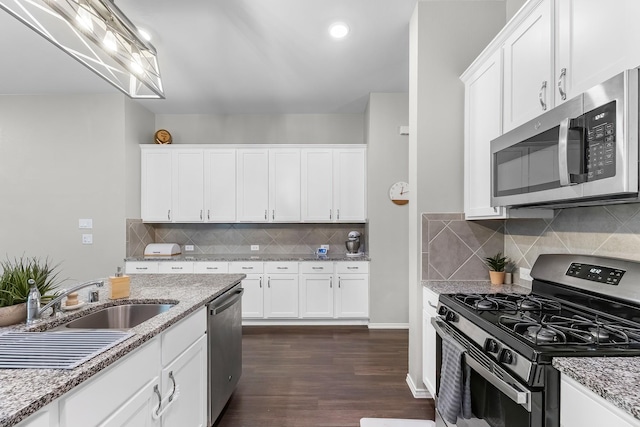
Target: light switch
85, 223
87, 239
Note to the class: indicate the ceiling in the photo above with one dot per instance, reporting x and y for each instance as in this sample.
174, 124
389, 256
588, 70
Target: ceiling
238, 56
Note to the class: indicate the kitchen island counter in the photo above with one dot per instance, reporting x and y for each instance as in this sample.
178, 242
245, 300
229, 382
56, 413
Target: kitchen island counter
615, 379
24, 391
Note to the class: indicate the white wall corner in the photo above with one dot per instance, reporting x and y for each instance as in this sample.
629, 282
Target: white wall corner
418, 393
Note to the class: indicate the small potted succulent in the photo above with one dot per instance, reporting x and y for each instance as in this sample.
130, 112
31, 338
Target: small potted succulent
14, 286
497, 264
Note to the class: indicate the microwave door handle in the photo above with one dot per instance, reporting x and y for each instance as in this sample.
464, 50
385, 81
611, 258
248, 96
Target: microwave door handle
563, 153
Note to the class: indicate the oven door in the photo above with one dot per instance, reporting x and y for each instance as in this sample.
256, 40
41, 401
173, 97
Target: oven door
497, 399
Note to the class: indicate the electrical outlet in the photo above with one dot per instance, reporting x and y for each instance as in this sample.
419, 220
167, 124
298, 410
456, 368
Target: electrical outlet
85, 223
87, 239
188, 248
525, 274
255, 247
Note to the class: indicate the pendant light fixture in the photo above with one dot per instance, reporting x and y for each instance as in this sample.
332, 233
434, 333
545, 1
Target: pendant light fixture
98, 35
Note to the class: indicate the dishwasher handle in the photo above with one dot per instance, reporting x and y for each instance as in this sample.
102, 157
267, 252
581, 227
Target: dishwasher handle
221, 304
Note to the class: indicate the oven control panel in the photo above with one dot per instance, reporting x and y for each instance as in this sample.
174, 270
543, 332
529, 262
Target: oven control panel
595, 273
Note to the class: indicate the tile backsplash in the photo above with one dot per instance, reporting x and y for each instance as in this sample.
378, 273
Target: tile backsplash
612, 231
454, 249
238, 238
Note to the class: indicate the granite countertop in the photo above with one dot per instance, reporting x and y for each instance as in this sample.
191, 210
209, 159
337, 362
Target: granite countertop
24, 391
616, 379
472, 287
253, 257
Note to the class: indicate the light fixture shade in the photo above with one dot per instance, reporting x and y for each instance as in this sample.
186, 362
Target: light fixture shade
98, 35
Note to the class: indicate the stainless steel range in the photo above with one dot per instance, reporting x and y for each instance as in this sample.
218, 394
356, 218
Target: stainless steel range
579, 306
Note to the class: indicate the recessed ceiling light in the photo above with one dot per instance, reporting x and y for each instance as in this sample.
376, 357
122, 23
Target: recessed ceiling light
338, 30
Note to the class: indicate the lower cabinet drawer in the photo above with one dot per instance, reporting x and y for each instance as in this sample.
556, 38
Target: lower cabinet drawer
92, 403
175, 267
352, 267
141, 267
209, 267
181, 335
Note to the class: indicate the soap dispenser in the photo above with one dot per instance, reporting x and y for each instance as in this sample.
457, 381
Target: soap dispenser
120, 285
33, 302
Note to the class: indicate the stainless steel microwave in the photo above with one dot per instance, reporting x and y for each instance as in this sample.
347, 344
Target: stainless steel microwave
580, 153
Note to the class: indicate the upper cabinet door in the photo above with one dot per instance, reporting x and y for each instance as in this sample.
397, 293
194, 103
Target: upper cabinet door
188, 185
156, 185
528, 68
350, 184
253, 185
595, 40
220, 185
317, 184
284, 182
483, 122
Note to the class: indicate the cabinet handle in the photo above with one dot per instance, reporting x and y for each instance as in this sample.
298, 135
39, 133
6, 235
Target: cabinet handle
176, 268
331, 282
169, 214
273, 214
265, 214
562, 83
208, 214
431, 305
173, 391
330, 214
352, 268
142, 268
282, 268
316, 268
339, 282
156, 390
543, 95
247, 268
338, 215
261, 282
268, 282
200, 214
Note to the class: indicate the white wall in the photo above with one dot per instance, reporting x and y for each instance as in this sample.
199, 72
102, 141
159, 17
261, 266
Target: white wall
62, 158
139, 128
263, 129
445, 37
387, 163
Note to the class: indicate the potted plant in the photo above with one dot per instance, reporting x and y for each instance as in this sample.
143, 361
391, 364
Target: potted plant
14, 289
497, 264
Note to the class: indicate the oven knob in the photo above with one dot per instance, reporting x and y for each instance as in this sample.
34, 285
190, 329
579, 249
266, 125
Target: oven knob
506, 356
491, 346
442, 310
451, 317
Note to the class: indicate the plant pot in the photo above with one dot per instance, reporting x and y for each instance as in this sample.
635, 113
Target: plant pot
497, 277
13, 314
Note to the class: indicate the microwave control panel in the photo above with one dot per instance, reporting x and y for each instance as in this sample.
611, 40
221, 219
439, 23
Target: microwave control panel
600, 133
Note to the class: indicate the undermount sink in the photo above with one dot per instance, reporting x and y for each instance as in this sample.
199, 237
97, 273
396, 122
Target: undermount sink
124, 316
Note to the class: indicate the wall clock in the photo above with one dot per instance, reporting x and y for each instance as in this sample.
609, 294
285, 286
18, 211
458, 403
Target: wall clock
398, 193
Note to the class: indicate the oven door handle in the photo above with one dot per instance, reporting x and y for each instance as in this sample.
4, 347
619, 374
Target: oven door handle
518, 396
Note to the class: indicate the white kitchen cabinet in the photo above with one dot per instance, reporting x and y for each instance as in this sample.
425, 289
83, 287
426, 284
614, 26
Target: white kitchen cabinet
281, 292
595, 40
186, 376
316, 290
141, 267
352, 292
220, 185
156, 185
253, 297
188, 185
317, 184
581, 407
483, 122
175, 267
284, 185
210, 267
140, 410
253, 185
528, 67
429, 306
44, 417
350, 184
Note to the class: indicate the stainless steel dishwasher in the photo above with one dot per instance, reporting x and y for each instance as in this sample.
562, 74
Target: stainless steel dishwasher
224, 330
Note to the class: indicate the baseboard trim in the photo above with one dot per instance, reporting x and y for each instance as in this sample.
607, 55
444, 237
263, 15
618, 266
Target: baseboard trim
301, 322
418, 393
388, 326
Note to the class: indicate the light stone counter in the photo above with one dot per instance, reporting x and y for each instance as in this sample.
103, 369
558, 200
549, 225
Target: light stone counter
472, 287
24, 391
616, 379
341, 256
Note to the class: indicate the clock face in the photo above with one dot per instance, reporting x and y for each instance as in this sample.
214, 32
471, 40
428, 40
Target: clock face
163, 137
399, 193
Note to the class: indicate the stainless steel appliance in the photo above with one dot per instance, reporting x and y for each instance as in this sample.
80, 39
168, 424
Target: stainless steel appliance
583, 152
579, 306
353, 243
224, 331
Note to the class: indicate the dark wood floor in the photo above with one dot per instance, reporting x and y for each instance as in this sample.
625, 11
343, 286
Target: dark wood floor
322, 376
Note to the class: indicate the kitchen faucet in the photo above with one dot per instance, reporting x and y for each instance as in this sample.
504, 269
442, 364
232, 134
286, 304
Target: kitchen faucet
55, 303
